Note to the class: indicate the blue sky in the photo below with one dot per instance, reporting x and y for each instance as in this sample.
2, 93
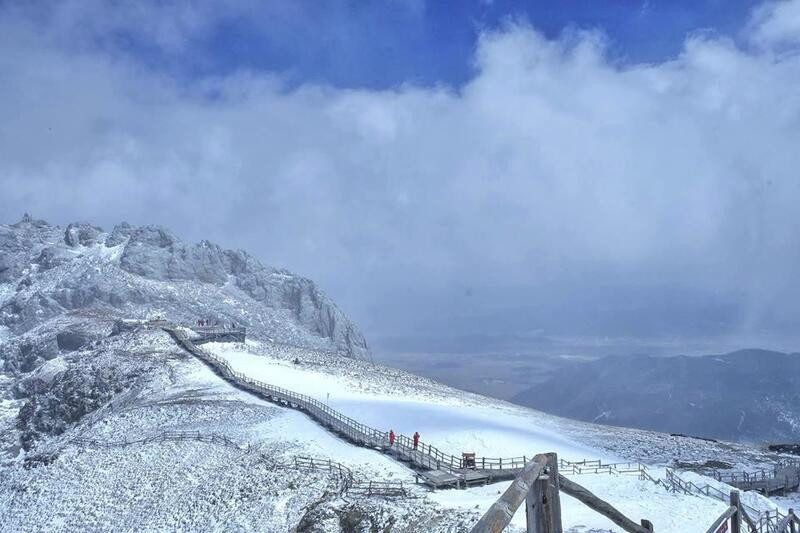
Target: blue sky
388, 43
570, 168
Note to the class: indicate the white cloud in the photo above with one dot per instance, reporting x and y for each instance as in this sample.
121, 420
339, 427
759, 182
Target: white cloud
776, 24
554, 163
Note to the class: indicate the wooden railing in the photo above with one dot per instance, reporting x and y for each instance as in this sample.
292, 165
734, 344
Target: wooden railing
349, 483
762, 521
214, 438
790, 522
423, 455
784, 476
736, 516
539, 485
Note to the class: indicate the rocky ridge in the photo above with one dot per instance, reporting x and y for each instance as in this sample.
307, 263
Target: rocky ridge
140, 272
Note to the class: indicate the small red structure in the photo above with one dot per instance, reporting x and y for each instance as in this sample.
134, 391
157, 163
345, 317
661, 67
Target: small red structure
468, 460
416, 439
391, 437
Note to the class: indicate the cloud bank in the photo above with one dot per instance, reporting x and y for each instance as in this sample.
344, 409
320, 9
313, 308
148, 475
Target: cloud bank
556, 165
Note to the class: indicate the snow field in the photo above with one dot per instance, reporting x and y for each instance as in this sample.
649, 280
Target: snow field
453, 426
492, 429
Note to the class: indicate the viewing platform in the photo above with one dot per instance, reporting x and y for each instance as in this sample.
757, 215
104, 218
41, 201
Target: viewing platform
218, 334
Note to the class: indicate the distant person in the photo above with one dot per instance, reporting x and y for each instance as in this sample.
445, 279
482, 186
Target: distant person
416, 439
391, 438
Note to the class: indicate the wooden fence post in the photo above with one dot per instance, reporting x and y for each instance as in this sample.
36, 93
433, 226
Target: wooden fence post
543, 504
736, 519
554, 491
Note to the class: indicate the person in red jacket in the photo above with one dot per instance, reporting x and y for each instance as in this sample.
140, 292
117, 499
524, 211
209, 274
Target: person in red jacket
391, 437
416, 439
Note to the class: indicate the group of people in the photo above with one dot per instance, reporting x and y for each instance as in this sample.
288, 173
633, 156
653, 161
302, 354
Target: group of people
204, 322
414, 439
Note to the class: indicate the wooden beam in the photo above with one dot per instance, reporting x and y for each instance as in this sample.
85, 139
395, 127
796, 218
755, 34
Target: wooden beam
554, 489
781, 527
586, 497
750, 523
722, 518
499, 514
736, 521
543, 504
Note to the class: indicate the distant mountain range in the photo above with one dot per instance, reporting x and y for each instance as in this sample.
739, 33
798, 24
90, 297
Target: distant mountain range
747, 395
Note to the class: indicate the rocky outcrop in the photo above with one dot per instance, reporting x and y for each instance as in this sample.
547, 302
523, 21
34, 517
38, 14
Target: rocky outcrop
52, 257
119, 234
18, 244
155, 253
72, 340
26, 356
153, 272
82, 234
52, 407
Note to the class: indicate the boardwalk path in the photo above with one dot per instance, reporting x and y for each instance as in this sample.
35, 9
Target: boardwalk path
784, 477
429, 459
424, 458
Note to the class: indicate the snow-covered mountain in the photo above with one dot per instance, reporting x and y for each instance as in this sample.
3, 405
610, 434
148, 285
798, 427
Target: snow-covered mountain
146, 271
106, 424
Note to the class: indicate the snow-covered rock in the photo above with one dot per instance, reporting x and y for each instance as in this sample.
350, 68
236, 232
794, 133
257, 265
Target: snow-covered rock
136, 272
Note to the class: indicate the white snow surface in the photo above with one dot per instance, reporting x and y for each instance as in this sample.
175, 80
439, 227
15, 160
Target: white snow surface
454, 423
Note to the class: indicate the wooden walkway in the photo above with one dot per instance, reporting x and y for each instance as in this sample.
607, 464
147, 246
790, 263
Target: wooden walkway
216, 334
423, 458
783, 478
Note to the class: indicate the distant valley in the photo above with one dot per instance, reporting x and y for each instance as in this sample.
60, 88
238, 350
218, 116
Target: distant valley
747, 395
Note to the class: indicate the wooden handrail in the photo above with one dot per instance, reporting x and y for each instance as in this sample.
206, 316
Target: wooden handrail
729, 512
790, 518
586, 497
355, 430
750, 523
543, 507
500, 513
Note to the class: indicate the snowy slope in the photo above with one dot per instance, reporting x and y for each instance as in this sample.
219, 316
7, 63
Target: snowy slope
193, 485
457, 421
